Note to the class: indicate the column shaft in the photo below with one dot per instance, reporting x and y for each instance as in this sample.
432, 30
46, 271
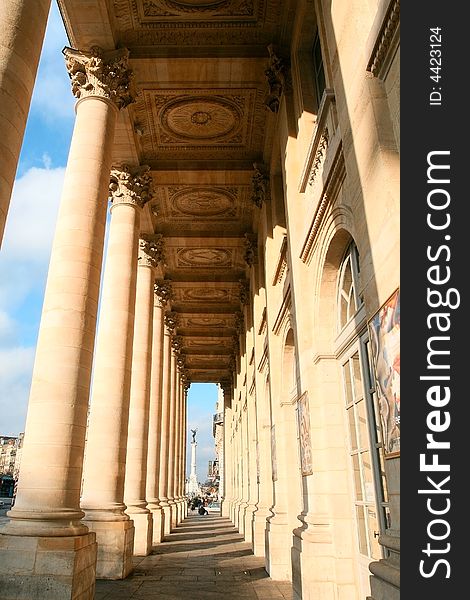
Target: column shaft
155, 423
22, 29
164, 447
48, 497
171, 445
137, 433
105, 458
49, 486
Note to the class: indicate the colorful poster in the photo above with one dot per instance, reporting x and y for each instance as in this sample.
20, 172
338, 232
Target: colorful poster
385, 348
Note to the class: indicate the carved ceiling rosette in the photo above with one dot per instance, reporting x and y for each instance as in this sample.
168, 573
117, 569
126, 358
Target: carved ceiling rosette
163, 291
131, 185
171, 321
101, 74
150, 250
251, 249
260, 185
277, 77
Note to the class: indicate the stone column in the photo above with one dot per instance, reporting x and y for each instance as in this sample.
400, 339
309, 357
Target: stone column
162, 293
22, 28
171, 442
47, 504
226, 493
150, 253
105, 455
170, 325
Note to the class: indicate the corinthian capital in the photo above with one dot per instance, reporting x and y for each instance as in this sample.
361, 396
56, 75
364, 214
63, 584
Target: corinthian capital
102, 74
130, 185
171, 321
150, 250
162, 290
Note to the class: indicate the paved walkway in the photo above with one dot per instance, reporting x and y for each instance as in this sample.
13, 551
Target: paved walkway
203, 559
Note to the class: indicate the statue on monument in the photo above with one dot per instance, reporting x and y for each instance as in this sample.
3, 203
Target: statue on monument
194, 431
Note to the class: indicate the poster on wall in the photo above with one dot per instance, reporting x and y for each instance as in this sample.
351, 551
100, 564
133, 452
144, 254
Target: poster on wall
384, 329
273, 453
303, 416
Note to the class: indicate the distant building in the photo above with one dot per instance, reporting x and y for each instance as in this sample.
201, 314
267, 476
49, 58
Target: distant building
10, 454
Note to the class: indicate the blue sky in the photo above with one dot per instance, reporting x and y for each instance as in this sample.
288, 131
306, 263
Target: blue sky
25, 252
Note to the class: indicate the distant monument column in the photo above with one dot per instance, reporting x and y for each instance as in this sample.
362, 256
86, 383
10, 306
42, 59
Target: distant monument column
193, 484
105, 453
22, 29
48, 498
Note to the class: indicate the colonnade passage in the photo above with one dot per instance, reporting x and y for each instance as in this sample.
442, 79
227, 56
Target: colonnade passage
204, 557
248, 152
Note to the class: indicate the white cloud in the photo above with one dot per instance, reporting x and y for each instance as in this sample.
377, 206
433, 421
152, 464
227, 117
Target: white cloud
32, 216
23, 266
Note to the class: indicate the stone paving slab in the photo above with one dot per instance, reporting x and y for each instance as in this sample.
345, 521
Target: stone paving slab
205, 558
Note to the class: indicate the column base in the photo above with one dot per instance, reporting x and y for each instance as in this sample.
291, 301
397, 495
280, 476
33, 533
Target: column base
157, 525
317, 570
115, 541
226, 508
249, 517
279, 547
174, 515
166, 520
259, 531
56, 568
143, 526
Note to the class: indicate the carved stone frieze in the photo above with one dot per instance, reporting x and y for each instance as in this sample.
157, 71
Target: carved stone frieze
162, 290
199, 10
101, 74
150, 250
319, 156
130, 185
260, 185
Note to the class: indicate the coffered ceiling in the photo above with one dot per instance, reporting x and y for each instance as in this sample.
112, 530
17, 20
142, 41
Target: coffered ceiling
200, 122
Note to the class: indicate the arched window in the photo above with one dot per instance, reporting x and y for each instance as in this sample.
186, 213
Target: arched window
349, 300
364, 437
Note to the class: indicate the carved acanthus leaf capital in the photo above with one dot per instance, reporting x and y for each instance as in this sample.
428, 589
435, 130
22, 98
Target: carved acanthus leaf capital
163, 291
239, 323
131, 185
150, 250
177, 343
277, 77
251, 249
244, 291
171, 321
260, 185
101, 74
